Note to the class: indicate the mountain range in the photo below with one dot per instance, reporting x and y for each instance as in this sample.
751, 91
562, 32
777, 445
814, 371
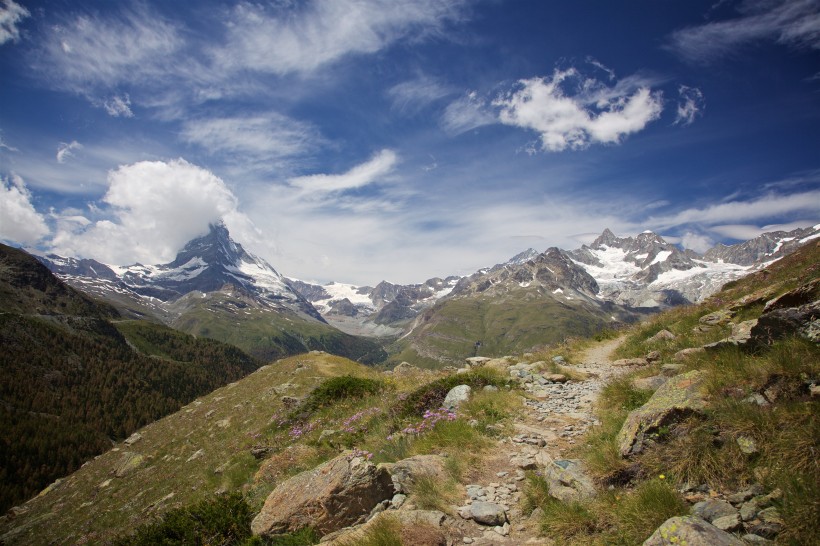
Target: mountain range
215, 288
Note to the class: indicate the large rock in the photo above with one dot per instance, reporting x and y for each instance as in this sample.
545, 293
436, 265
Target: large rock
692, 531
679, 397
417, 527
488, 513
456, 396
406, 472
781, 322
335, 494
568, 480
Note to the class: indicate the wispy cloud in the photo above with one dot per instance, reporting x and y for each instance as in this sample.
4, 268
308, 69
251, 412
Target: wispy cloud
66, 150
795, 23
569, 111
95, 56
19, 221
11, 14
690, 105
301, 39
410, 96
466, 113
367, 173
266, 136
119, 106
762, 208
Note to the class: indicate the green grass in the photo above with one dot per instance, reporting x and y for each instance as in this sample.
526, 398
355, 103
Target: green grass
385, 531
432, 493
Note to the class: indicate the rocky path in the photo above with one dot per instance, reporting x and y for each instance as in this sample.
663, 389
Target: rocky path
556, 413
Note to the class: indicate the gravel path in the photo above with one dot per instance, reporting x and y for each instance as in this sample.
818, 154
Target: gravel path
555, 415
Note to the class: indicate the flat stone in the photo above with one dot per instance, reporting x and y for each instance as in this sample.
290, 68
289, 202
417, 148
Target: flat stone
690, 530
630, 362
712, 509
684, 354
729, 523
649, 383
663, 335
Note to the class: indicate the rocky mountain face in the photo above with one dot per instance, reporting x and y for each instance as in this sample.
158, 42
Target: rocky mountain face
381, 310
647, 271
215, 288
763, 249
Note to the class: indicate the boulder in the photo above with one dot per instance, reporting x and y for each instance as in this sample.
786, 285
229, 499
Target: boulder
129, 463
679, 397
568, 480
488, 513
663, 335
692, 531
405, 368
653, 356
335, 494
805, 294
477, 361
406, 472
741, 334
456, 396
780, 323
684, 354
712, 509
555, 377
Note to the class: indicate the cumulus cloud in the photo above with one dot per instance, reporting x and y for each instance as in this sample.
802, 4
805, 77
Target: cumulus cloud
690, 104
262, 137
11, 14
590, 113
795, 23
374, 170
119, 106
151, 209
19, 221
313, 34
66, 150
467, 113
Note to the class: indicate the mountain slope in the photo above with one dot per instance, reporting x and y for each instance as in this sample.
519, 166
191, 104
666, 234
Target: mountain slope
214, 288
71, 380
512, 307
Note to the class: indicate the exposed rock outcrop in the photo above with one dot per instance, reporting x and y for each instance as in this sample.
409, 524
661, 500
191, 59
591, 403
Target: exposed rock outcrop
674, 400
690, 530
335, 494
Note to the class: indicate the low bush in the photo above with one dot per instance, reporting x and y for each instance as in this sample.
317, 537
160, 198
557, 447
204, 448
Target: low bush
334, 389
431, 395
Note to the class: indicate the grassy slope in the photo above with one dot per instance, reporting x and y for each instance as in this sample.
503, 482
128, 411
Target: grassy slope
268, 335
706, 450
188, 456
515, 323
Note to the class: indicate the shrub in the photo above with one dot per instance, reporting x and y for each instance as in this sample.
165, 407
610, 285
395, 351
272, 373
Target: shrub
339, 388
431, 395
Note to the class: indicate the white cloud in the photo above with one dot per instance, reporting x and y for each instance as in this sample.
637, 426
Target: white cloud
690, 104
66, 150
262, 137
410, 96
119, 106
5, 146
467, 113
151, 209
367, 173
697, 242
595, 113
313, 34
761, 208
743, 232
795, 23
11, 14
89, 53
19, 222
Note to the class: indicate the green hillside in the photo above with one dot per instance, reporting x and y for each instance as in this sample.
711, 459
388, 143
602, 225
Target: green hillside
269, 335
518, 321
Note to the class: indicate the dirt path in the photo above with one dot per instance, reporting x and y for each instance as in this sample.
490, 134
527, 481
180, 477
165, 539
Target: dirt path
555, 415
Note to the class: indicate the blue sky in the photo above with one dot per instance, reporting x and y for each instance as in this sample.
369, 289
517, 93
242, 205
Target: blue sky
361, 140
